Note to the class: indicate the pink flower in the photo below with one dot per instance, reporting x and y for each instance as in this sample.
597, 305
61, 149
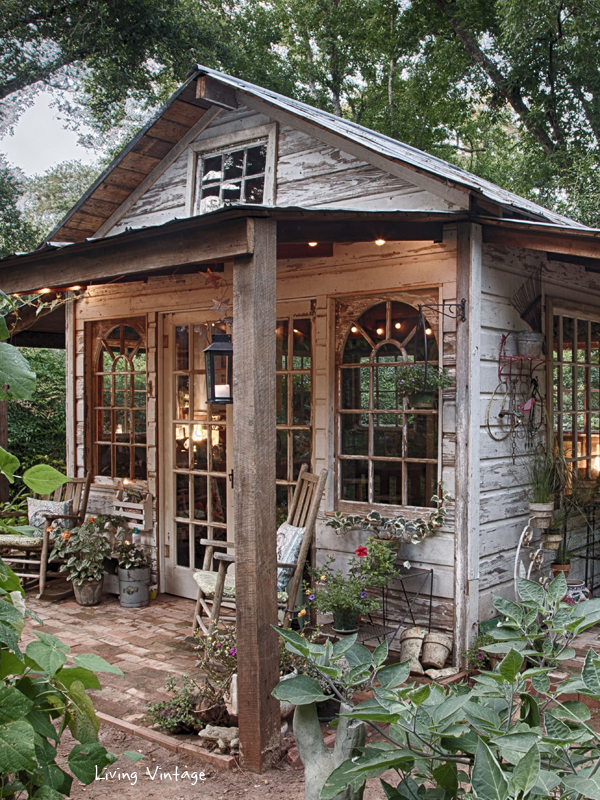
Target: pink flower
361, 551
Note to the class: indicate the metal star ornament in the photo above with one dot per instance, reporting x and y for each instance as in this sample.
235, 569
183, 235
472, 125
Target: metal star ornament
221, 307
211, 278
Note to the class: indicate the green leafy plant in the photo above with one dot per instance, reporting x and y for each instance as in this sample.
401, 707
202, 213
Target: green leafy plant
179, 713
335, 590
82, 551
512, 734
218, 656
475, 656
131, 555
414, 378
544, 478
43, 691
411, 531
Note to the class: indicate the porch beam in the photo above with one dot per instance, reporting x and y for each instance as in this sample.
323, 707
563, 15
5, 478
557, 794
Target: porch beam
254, 315
580, 243
356, 230
143, 251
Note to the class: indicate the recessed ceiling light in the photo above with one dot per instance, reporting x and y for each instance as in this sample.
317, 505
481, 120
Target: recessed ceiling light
379, 242
313, 244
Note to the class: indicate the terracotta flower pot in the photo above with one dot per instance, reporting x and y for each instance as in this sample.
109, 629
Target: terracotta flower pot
436, 649
558, 568
411, 642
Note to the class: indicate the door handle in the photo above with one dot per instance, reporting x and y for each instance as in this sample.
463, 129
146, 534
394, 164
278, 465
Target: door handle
230, 476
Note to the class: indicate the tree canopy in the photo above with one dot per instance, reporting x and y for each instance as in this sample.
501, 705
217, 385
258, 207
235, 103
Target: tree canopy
509, 89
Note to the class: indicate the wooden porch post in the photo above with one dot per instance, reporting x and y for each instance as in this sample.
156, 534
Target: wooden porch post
254, 315
468, 389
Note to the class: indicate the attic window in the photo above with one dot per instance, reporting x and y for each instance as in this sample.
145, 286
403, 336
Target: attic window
235, 175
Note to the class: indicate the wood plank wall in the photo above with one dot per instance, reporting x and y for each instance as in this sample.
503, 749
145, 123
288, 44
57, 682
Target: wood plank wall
503, 502
309, 173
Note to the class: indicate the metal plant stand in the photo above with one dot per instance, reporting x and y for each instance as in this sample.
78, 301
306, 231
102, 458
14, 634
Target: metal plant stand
370, 630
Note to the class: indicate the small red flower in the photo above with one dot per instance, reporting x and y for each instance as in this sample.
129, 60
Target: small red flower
361, 551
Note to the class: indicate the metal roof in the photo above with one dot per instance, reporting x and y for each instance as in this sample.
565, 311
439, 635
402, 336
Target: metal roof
391, 148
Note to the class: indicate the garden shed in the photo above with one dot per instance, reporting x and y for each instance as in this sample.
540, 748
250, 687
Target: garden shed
334, 254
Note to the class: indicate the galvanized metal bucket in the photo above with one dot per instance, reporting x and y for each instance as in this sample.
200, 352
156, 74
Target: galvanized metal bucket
134, 587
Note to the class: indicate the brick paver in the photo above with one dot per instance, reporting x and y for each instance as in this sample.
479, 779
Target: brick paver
147, 644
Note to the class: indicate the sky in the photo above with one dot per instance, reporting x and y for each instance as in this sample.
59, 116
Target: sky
40, 141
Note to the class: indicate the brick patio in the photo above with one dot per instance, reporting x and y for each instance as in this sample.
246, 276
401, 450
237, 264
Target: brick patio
147, 644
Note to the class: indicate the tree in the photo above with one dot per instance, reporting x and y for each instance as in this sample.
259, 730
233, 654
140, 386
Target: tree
16, 232
48, 197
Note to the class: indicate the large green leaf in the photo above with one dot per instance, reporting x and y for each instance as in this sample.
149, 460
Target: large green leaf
446, 776
590, 673
531, 592
300, 691
510, 665
507, 608
4, 332
10, 614
558, 588
96, 664
394, 675
8, 463
10, 664
87, 761
526, 773
17, 750
13, 704
358, 655
299, 643
48, 657
588, 787
488, 780
341, 778
15, 374
571, 710
8, 636
67, 675
47, 793
546, 782
81, 717
380, 653
43, 479
42, 724
342, 646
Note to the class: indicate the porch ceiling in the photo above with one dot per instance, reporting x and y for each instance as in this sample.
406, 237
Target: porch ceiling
211, 237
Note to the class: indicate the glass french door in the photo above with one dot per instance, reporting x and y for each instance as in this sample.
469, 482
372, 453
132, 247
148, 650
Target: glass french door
197, 455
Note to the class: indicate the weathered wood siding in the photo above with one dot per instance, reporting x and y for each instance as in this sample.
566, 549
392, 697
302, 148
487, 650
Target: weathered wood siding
503, 503
309, 173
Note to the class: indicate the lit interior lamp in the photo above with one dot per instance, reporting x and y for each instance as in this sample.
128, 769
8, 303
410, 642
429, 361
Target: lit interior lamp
313, 244
379, 242
219, 374
198, 434
214, 437
398, 325
296, 330
126, 481
354, 329
45, 290
379, 331
428, 331
596, 465
74, 288
119, 429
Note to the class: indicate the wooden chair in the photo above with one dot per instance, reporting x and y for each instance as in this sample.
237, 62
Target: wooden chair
302, 514
27, 556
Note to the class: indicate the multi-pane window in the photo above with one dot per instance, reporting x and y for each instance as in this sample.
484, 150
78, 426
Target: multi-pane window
119, 399
294, 406
231, 176
576, 390
200, 441
387, 450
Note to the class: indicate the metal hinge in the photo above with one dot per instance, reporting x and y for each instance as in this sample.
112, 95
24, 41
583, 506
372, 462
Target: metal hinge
165, 340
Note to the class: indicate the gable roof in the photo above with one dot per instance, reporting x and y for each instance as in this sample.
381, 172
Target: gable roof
185, 115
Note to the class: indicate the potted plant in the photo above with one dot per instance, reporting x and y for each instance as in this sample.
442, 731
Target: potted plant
562, 559
82, 551
421, 384
543, 484
345, 595
554, 536
135, 563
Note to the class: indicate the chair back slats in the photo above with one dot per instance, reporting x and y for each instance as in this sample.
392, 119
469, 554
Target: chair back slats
303, 498
77, 490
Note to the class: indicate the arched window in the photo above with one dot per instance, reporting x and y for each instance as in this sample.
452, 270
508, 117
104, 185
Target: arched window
119, 399
387, 450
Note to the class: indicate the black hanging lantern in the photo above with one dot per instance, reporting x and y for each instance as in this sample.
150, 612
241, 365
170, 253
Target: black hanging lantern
219, 370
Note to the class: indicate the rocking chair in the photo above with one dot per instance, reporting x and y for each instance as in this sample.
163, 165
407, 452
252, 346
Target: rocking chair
27, 556
215, 588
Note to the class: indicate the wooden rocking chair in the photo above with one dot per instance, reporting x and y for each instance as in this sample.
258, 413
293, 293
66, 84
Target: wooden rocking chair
213, 587
27, 556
